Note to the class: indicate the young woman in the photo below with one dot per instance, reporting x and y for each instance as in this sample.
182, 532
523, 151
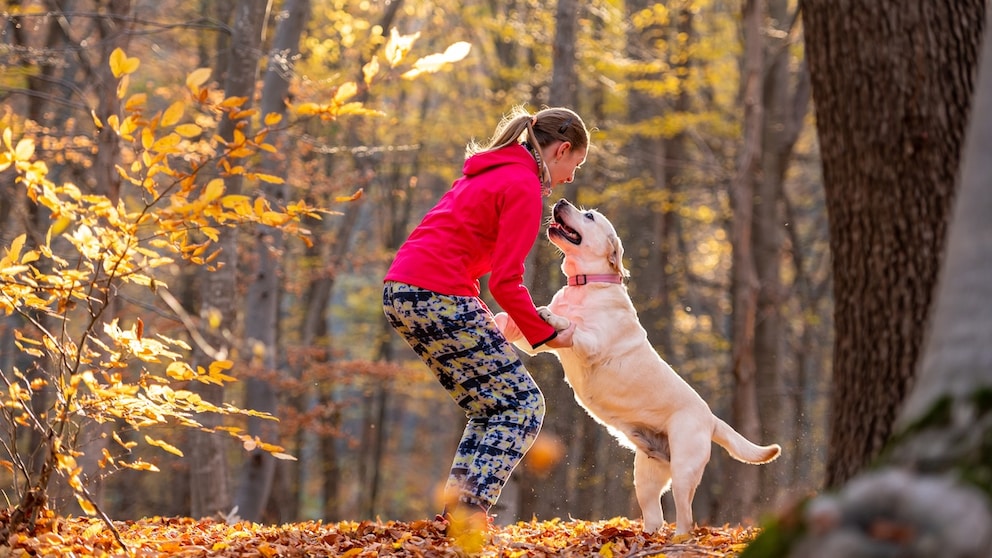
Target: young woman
486, 223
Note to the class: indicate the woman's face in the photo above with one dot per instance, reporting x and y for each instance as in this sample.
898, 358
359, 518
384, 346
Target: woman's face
564, 162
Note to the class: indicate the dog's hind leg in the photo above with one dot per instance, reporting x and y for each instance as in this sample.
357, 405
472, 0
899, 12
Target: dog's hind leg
652, 478
690, 454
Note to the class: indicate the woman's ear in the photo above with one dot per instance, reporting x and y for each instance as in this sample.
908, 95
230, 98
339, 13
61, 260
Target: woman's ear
563, 149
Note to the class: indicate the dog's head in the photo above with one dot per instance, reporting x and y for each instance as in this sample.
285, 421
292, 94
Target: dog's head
587, 239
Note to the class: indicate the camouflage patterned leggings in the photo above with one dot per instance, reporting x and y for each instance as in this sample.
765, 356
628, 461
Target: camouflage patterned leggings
458, 339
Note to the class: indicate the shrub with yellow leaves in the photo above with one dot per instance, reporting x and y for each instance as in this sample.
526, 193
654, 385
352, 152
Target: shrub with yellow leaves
172, 165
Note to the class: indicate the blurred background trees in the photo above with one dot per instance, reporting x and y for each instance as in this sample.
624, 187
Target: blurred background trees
703, 154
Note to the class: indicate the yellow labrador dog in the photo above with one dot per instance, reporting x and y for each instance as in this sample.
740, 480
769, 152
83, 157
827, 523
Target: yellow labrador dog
618, 377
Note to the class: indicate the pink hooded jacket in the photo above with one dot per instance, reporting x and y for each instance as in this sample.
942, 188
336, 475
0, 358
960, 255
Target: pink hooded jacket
486, 223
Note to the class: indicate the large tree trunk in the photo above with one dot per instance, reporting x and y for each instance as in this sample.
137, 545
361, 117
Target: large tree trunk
891, 84
934, 495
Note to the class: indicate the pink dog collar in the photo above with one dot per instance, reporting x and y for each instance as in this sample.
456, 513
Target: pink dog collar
579, 280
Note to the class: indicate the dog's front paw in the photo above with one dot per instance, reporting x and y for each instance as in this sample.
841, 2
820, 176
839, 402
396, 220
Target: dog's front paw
556, 321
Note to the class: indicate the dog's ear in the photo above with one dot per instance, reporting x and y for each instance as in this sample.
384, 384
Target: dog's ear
616, 256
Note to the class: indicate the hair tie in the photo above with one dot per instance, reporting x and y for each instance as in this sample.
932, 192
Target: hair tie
533, 121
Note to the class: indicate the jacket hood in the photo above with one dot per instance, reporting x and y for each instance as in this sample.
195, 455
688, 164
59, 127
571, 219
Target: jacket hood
510, 155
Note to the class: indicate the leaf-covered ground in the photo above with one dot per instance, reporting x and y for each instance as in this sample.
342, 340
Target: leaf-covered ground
163, 536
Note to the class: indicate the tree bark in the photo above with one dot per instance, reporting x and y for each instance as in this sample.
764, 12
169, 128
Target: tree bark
262, 299
564, 83
934, 487
891, 84
785, 100
209, 486
744, 278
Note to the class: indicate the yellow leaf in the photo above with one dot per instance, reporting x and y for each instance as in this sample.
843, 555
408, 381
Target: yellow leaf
123, 444
273, 118
235, 201
345, 92
457, 51
271, 179
24, 150
283, 456
179, 371
221, 365
164, 445
129, 125
196, 78
30, 256
370, 70
147, 138
167, 143
93, 530
243, 114
14, 252
213, 190
120, 64
188, 130
232, 102
139, 465
274, 218
307, 109
85, 505
398, 46
357, 195
135, 102
435, 62
173, 114
122, 86
96, 120
260, 206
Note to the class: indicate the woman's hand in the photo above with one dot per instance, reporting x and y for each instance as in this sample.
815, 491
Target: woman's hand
563, 339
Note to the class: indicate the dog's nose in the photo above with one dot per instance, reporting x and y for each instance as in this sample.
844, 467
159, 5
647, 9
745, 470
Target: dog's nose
561, 202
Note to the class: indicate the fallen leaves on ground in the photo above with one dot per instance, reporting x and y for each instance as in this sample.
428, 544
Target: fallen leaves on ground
177, 536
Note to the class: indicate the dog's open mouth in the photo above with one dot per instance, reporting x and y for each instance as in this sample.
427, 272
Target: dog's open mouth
560, 229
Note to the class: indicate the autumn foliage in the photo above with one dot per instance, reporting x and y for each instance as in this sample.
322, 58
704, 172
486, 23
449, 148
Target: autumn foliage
162, 536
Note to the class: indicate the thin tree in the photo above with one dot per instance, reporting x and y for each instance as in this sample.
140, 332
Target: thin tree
744, 276
786, 104
209, 484
262, 299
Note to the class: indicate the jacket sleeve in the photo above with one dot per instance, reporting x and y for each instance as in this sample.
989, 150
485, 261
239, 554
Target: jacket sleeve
519, 222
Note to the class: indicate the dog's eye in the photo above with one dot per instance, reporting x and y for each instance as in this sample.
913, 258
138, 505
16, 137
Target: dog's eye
590, 216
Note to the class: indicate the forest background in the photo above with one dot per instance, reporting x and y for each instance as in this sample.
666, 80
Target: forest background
703, 154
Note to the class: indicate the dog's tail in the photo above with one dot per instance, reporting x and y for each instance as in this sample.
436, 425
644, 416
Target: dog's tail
742, 449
